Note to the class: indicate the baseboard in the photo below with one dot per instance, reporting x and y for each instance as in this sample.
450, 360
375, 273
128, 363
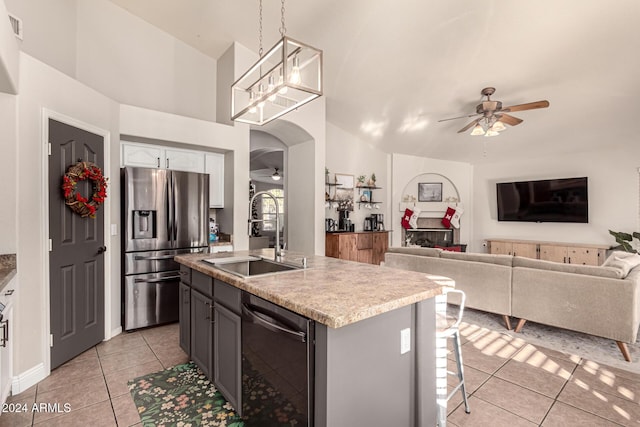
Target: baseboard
28, 379
116, 331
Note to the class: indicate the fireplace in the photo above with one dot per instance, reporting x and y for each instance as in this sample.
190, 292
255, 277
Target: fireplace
431, 233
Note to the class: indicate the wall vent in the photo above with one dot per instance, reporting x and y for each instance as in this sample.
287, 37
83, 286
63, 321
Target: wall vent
16, 24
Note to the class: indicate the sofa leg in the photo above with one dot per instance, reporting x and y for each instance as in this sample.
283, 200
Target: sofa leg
520, 325
624, 349
507, 321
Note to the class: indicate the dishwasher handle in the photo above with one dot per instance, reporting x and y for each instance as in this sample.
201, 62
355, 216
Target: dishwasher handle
270, 322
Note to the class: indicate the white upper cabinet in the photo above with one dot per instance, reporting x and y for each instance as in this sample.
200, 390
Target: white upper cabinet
184, 160
155, 156
141, 155
214, 166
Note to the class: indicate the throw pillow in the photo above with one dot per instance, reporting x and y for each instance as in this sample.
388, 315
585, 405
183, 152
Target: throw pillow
623, 261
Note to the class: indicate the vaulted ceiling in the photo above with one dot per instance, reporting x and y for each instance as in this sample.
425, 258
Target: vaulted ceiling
393, 68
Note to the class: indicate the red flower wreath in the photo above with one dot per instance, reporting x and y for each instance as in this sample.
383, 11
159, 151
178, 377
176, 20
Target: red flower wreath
80, 172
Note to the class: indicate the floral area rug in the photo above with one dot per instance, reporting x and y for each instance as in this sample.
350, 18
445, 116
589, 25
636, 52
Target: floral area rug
181, 396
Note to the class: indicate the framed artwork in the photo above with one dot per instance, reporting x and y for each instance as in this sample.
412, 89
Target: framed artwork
344, 181
430, 192
344, 191
366, 196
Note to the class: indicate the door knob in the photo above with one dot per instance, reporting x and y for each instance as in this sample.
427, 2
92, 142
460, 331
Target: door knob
102, 249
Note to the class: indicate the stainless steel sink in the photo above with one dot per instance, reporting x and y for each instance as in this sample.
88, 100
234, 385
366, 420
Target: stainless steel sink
250, 266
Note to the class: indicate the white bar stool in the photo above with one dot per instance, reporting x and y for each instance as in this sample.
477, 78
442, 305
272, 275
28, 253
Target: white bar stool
448, 326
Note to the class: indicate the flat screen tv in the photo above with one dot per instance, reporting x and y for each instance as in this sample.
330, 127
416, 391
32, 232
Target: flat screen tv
548, 200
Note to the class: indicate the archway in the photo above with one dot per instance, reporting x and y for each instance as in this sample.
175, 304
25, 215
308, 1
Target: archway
298, 182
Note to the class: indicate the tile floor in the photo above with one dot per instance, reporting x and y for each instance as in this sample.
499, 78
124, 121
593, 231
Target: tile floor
511, 383
95, 382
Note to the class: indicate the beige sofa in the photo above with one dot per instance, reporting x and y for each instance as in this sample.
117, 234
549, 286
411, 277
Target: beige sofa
601, 301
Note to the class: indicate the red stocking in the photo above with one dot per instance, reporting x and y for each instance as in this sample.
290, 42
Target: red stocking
446, 220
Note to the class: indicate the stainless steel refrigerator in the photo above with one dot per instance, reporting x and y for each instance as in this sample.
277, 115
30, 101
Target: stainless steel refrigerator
164, 213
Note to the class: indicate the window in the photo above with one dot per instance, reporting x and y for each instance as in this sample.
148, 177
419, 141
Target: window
268, 209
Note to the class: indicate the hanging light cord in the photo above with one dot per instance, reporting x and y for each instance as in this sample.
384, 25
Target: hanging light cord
283, 29
260, 32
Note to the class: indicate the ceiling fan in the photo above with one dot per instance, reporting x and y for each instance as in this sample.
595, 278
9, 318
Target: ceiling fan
493, 116
273, 173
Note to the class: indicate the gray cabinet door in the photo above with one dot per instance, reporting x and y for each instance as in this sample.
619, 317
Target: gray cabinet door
184, 303
227, 375
201, 331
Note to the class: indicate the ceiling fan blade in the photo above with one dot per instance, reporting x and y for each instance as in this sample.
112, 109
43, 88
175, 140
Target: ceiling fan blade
456, 118
528, 106
470, 125
509, 120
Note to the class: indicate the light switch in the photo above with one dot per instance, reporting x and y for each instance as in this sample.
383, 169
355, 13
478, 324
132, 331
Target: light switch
405, 341
114, 229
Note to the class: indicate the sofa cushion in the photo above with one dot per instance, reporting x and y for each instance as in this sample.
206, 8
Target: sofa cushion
416, 251
591, 270
622, 261
488, 258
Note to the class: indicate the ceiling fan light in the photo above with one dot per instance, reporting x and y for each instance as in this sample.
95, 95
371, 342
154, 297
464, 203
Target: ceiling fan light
477, 130
498, 126
491, 132
276, 176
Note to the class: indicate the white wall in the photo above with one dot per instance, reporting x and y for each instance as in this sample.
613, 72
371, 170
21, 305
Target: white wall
613, 196
346, 154
49, 31
135, 63
44, 87
8, 170
406, 171
125, 58
9, 55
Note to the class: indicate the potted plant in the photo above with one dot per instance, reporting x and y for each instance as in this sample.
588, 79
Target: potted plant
372, 180
361, 180
625, 241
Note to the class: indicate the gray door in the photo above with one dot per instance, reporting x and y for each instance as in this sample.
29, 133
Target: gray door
76, 261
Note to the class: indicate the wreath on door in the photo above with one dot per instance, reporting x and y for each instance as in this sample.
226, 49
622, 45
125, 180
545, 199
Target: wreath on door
82, 171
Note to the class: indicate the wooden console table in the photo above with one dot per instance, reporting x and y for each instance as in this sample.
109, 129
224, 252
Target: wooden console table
366, 246
568, 253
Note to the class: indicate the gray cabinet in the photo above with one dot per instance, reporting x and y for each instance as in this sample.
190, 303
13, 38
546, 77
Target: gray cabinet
227, 339
227, 354
184, 310
211, 331
201, 331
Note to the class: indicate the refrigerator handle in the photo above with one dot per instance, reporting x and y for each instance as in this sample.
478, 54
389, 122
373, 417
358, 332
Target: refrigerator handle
174, 221
169, 203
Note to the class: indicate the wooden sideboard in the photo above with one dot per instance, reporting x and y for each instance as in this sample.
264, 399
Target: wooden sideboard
366, 246
568, 253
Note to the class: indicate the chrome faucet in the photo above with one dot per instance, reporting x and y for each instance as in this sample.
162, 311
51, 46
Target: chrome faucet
277, 253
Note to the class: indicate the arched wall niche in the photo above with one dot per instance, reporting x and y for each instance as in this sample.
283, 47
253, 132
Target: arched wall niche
431, 213
450, 195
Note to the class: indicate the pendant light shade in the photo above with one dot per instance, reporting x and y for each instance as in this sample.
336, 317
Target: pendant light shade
287, 76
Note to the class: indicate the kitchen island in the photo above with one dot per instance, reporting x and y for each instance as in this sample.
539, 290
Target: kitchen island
362, 376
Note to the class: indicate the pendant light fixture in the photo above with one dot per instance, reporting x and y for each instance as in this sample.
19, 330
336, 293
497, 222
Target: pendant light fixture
287, 76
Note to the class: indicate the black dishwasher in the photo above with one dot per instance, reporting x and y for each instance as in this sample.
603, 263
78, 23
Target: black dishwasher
277, 365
